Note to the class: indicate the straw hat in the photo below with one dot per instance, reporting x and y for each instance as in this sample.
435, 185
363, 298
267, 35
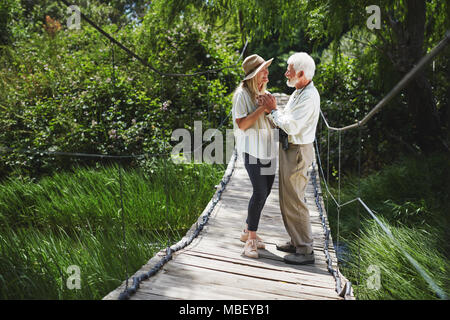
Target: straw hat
253, 64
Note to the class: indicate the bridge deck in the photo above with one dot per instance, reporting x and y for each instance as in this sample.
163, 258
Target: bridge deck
213, 267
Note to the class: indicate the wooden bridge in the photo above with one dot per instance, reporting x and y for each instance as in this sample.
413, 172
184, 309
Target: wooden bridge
213, 267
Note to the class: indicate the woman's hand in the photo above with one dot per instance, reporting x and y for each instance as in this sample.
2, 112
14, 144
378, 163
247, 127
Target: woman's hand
248, 121
267, 101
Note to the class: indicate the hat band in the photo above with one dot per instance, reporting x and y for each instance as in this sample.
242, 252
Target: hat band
259, 65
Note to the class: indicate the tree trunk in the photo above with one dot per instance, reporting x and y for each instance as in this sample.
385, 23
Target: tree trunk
421, 103
419, 92
241, 27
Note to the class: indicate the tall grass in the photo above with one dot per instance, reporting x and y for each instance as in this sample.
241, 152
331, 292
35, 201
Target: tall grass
411, 197
74, 218
398, 279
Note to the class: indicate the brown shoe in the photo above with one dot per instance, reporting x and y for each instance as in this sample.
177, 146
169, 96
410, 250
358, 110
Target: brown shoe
260, 244
250, 249
298, 258
287, 247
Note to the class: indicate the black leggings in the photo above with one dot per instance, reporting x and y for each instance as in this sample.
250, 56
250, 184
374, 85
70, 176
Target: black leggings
262, 185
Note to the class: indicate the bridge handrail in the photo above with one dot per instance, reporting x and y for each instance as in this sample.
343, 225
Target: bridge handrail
400, 85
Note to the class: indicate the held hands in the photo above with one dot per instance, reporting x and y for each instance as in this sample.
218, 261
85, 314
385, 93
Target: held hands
267, 101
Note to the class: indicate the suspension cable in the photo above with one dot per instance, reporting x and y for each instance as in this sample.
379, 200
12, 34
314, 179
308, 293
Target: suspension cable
440, 293
400, 85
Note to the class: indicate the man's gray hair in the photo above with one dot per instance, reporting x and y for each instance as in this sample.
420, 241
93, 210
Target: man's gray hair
302, 61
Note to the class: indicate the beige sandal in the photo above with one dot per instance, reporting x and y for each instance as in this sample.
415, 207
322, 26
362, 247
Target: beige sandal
260, 244
250, 249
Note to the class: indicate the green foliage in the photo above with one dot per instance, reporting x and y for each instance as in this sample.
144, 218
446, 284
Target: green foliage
8, 10
254, 19
412, 191
349, 89
74, 218
75, 92
411, 197
399, 280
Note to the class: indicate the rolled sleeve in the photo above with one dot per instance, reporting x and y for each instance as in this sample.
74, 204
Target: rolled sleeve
240, 109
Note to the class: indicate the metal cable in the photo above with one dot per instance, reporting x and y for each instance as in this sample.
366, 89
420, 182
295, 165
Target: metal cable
328, 172
357, 212
339, 200
143, 61
325, 182
399, 86
78, 154
439, 292
122, 214
163, 132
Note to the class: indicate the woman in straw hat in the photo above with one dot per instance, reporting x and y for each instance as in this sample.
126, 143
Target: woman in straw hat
255, 143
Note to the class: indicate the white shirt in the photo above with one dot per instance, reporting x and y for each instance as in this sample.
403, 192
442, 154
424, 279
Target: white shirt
259, 139
300, 116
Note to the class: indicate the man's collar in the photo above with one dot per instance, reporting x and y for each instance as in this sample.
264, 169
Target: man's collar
298, 91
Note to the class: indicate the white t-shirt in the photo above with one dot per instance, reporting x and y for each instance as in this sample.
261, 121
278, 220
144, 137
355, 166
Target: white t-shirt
259, 139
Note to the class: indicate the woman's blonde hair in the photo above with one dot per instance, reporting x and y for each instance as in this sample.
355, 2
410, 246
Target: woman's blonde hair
251, 85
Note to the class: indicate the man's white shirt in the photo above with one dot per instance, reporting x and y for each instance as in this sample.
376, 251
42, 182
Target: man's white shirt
300, 116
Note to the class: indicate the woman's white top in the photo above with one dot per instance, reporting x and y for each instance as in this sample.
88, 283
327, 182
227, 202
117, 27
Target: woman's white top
259, 139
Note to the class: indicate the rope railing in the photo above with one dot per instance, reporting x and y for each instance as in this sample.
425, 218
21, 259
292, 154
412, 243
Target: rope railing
342, 290
400, 85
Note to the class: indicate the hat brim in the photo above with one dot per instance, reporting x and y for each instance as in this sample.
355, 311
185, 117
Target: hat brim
264, 64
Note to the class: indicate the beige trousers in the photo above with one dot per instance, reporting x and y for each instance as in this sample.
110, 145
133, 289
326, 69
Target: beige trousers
294, 164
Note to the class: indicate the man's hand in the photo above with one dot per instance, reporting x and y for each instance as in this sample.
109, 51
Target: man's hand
267, 101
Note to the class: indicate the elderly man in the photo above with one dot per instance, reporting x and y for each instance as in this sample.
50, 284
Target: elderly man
298, 122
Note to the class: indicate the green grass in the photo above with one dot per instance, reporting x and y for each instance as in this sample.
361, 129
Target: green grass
74, 218
411, 197
399, 280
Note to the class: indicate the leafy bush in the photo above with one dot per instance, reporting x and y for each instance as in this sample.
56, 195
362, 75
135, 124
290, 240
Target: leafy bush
72, 91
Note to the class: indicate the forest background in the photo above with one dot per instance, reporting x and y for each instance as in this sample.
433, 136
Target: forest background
72, 90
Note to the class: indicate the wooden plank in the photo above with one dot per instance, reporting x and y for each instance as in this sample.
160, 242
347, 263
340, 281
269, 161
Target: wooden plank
261, 284
274, 274
316, 268
262, 263
235, 245
179, 286
266, 255
191, 282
